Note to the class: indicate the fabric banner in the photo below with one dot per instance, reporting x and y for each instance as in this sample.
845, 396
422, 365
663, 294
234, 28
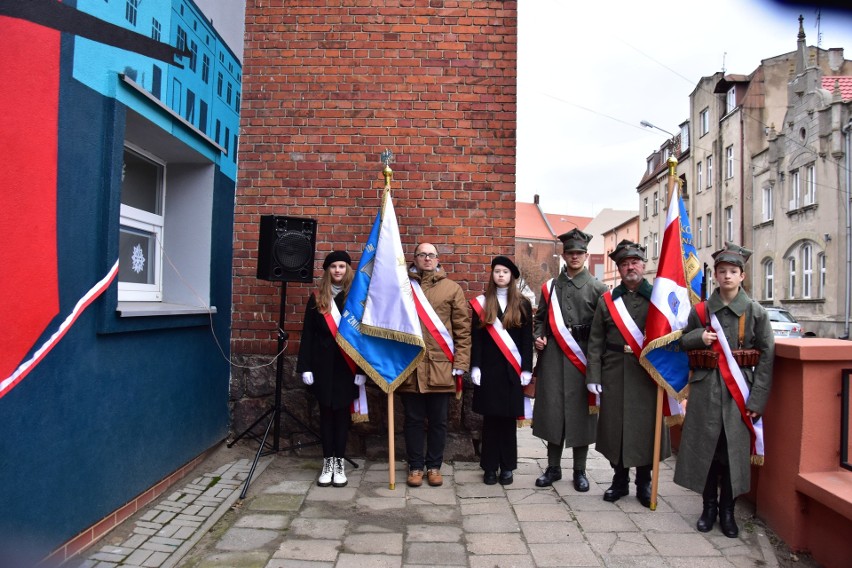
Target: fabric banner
677, 287
379, 327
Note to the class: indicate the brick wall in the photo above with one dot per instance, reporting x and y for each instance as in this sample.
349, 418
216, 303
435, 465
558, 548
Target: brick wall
328, 85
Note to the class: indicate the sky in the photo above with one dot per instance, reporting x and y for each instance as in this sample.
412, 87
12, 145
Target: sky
589, 72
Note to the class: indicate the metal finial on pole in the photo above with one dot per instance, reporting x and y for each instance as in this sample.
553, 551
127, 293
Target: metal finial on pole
672, 163
386, 158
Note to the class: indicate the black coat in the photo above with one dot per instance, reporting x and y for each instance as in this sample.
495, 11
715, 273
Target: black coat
499, 392
334, 383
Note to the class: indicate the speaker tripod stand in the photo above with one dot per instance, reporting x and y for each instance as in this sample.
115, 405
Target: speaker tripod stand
277, 409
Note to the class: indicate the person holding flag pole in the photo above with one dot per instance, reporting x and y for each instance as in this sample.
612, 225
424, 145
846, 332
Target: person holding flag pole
379, 328
677, 287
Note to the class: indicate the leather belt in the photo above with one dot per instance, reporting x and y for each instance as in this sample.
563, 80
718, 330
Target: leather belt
619, 348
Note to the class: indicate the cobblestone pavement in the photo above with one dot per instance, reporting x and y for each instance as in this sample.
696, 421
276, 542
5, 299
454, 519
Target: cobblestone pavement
287, 521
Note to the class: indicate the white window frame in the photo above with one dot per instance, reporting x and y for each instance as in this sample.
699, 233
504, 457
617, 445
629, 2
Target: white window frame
645, 242
645, 208
795, 190
729, 162
767, 203
150, 223
768, 279
709, 171
791, 283
699, 232
807, 271
704, 121
684, 138
709, 229
656, 206
810, 185
729, 222
731, 99
699, 177
821, 265
656, 245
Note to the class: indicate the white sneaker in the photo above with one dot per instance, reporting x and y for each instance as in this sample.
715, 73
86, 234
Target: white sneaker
339, 475
327, 472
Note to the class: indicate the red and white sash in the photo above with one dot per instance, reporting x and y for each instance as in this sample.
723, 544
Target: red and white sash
735, 381
499, 334
565, 340
358, 408
631, 333
432, 322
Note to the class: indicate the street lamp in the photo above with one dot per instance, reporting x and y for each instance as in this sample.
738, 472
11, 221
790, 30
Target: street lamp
647, 124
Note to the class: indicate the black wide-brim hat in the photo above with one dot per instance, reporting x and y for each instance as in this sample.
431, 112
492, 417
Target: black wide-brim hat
507, 262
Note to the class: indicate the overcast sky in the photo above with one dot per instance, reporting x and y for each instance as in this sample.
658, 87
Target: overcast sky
589, 72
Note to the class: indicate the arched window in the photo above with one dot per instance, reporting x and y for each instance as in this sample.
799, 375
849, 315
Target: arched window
768, 279
807, 270
791, 285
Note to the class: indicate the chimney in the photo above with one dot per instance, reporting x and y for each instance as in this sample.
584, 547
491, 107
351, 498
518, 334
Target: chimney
535, 199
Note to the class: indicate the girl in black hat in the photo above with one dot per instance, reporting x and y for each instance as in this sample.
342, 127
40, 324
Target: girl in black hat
501, 363
331, 376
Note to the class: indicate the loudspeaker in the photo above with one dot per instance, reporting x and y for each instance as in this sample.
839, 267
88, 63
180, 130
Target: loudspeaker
285, 249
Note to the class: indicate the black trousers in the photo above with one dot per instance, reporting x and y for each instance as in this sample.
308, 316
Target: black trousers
334, 431
425, 426
499, 443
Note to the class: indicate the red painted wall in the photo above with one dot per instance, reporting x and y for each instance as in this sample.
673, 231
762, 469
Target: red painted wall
326, 87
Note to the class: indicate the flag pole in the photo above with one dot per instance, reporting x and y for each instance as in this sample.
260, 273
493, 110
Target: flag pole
387, 172
658, 420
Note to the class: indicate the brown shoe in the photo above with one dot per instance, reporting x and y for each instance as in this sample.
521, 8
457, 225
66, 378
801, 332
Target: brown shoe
415, 478
434, 477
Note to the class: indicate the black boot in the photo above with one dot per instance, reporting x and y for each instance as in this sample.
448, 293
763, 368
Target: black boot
620, 485
551, 474
581, 482
726, 507
643, 485
711, 502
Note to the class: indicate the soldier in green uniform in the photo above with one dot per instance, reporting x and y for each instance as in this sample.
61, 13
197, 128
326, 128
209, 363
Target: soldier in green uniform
561, 415
628, 395
716, 446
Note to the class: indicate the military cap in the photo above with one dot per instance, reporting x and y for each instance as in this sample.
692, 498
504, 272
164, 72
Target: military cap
628, 249
732, 254
575, 239
507, 262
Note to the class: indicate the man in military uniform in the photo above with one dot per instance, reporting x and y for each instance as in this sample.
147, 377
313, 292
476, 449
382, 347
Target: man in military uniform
628, 395
715, 450
562, 415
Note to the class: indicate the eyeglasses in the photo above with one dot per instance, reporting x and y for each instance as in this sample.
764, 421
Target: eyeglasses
429, 255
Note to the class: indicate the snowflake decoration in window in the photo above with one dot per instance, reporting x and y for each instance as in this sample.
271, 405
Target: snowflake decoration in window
138, 259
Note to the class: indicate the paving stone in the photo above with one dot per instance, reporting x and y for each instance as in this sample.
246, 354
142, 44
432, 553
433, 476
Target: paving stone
373, 544
295, 487
501, 561
276, 502
496, 543
308, 549
606, 521
271, 522
155, 560
486, 507
335, 494
326, 528
435, 496
662, 522
237, 538
438, 514
682, 544
436, 554
290, 563
543, 512
717, 562
574, 554
546, 532
433, 533
381, 503
368, 560
490, 524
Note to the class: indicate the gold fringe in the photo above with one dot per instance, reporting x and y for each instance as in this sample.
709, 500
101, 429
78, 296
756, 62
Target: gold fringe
674, 420
385, 333
459, 394
357, 417
652, 371
757, 460
372, 373
594, 410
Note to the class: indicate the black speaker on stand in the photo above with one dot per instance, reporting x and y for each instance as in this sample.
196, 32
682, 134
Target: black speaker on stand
285, 253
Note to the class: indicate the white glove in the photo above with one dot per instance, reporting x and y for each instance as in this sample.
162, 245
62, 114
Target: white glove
457, 372
476, 376
526, 377
360, 380
594, 388
308, 378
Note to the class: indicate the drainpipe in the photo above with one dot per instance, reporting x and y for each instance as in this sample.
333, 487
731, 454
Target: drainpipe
846, 198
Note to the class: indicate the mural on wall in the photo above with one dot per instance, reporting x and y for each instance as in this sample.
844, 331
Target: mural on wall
30, 306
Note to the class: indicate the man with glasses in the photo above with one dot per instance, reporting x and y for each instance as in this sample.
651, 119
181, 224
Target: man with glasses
628, 394
563, 414
445, 321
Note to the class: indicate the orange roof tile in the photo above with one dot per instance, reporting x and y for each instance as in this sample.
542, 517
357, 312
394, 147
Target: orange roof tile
564, 223
529, 223
844, 82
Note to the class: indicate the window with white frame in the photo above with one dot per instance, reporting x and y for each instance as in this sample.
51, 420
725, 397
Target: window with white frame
791, 283
810, 185
655, 205
645, 208
729, 161
821, 264
141, 228
729, 223
704, 122
699, 233
768, 279
731, 99
645, 242
807, 270
650, 166
795, 190
709, 171
684, 138
709, 229
698, 178
656, 245
767, 203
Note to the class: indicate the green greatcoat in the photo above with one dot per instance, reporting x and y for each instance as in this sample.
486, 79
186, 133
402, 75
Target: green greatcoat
711, 409
629, 394
561, 406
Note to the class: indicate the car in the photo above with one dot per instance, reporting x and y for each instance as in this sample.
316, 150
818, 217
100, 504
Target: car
783, 323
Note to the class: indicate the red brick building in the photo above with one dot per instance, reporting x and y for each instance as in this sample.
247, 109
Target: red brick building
327, 86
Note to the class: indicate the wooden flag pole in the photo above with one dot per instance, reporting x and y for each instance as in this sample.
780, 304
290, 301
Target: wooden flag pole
658, 432
391, 450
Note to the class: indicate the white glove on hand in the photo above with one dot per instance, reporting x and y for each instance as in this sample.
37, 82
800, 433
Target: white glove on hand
526, 377
308, 378
476, 376
360, 380
457, 372
594, 388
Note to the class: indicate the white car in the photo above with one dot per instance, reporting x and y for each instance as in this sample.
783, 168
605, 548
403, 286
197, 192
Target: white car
783, 323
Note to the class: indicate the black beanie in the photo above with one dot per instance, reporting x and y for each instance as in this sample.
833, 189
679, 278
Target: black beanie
336, 256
